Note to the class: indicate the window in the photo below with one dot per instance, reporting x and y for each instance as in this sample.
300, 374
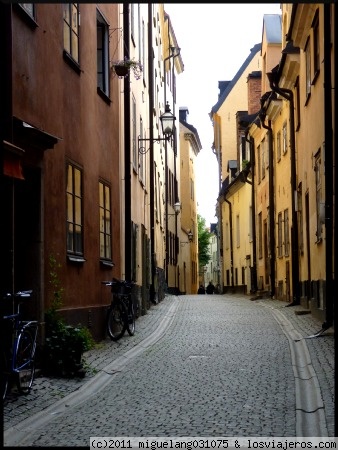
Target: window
102, 53
133, 134
316, 55
134, 254
300, 218
105, 221
286, 233
285, 138
71, 29
259, 164
263, 158
29, 8
278, 143
318, 176
280, 235
142, 157
297, 104
74, 211
307, 70
238, 234
260, 236
227, 236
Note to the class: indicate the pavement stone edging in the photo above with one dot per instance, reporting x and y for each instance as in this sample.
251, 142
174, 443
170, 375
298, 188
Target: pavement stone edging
310, 417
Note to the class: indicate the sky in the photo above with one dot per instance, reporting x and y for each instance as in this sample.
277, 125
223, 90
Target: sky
215, 39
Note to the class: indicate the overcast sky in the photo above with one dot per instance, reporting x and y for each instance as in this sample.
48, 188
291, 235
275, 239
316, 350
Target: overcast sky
215, 39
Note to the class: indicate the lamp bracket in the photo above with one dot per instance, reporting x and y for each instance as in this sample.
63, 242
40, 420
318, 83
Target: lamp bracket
143, 150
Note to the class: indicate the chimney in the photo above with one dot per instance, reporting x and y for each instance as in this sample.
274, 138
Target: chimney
183, 111
254, 91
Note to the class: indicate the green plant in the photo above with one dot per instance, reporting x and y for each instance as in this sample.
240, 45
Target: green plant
64, 344
130, 64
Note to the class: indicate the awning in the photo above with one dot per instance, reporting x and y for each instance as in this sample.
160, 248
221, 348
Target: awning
28, 135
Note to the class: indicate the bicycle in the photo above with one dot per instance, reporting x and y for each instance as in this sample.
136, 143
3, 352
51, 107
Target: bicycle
120, 314
19, 339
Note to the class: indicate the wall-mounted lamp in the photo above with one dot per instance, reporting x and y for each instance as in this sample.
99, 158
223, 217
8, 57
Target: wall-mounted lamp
177, 209
190, 238
167, 122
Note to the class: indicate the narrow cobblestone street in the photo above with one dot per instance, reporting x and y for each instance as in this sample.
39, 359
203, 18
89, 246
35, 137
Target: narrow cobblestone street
217, 365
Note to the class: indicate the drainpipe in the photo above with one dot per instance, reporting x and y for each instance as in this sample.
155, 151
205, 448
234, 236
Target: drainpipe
253, 215
271, 203
288, 95
127, 174
328, 158
171, 55
231, 243
151, 155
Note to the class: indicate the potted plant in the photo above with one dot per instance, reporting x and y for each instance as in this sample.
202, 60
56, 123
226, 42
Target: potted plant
124, 66
64, 344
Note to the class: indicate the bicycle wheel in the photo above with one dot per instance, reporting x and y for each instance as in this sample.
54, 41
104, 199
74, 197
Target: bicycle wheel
131, 319
4, 375
24, 362
115, 321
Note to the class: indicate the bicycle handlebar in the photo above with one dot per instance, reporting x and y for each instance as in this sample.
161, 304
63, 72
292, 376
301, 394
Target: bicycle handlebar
20, 294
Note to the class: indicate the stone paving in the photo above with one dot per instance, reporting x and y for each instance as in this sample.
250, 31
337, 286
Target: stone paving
251, 375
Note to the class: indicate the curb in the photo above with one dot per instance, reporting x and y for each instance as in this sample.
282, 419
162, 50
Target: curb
310, 417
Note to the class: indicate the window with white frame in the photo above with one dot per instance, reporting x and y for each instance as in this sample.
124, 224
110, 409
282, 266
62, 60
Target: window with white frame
285, 138
279, 146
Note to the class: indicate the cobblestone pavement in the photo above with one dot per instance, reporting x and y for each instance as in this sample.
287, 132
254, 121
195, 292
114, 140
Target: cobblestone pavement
222, 368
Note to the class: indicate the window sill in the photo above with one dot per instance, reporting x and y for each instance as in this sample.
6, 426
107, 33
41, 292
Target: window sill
103, 95
76, 259
26, 17
106, 264
71, 61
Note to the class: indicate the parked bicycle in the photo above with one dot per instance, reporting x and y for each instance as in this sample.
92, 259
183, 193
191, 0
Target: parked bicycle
121, 314
19, 345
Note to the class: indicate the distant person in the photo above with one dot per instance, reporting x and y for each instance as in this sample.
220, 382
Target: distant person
201, 290
210, 288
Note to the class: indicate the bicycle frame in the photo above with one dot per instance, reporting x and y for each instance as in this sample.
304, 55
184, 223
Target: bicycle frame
20, 346
120, 315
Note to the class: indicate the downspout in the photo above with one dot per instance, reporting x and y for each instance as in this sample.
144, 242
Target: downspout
151, 156
288, 95
127, 163
171, 55
328, 158
231, 243
271, 203
253, 215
